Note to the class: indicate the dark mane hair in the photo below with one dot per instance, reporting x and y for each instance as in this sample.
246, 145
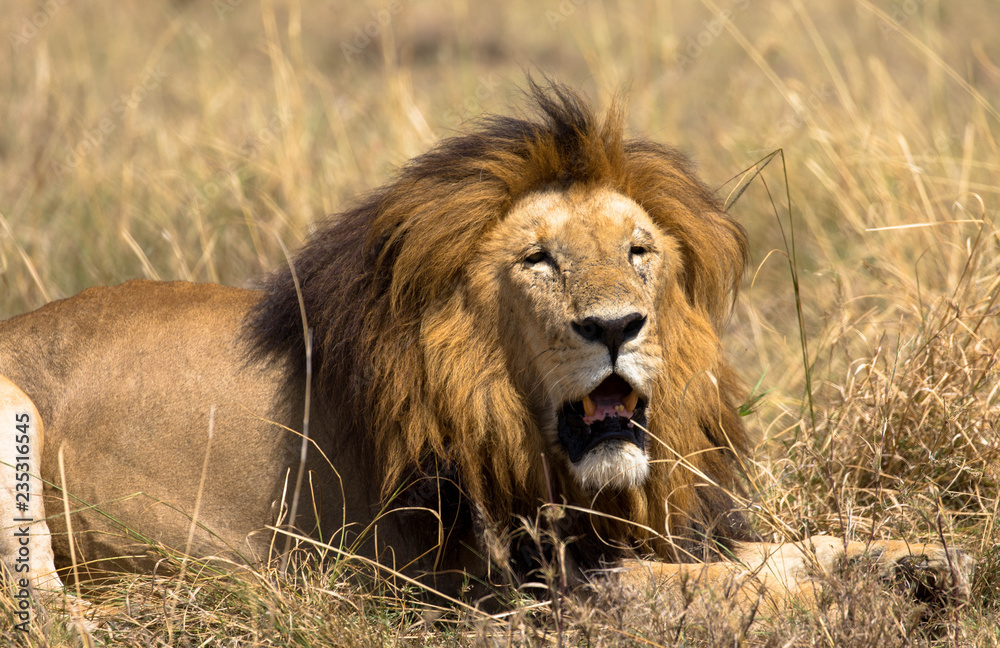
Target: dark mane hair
370, 275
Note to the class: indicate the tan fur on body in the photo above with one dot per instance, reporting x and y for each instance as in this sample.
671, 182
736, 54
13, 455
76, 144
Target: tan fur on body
456, 314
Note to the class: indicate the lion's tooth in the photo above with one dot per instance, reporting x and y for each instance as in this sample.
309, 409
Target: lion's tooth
589, 406
631, 401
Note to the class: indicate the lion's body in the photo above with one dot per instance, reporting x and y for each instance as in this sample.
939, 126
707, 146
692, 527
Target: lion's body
144, 372
526, 315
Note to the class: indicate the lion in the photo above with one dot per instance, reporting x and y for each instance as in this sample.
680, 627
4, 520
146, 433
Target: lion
526, 318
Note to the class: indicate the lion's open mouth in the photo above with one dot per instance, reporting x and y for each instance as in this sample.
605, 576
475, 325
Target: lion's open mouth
607, 413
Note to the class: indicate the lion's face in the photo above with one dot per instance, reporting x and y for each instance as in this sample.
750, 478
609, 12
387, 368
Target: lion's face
579, 275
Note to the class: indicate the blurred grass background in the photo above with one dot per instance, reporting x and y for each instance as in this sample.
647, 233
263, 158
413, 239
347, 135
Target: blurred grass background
183, 140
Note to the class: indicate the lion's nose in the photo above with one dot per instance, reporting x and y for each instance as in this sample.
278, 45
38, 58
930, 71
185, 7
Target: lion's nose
612, 333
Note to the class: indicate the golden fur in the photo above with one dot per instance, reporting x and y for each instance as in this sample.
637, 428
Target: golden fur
479, 324
405, 259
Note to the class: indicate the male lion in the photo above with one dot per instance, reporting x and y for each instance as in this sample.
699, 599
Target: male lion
528, 314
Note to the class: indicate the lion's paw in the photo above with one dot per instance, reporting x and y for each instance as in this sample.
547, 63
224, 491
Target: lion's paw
930, 572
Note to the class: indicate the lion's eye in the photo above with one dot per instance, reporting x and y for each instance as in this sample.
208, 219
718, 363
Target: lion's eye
637, 250
536, 257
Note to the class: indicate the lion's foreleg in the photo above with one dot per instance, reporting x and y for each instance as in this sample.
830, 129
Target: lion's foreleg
776, 575
929, 571
25, 540
732, 585
760, 577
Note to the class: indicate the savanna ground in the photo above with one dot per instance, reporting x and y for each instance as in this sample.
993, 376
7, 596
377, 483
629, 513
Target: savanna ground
189, 140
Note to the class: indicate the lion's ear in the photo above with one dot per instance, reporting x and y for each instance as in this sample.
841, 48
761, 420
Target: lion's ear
713, 245
715, 257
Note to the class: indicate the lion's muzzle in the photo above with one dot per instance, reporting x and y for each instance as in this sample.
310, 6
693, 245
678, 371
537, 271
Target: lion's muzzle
610, 412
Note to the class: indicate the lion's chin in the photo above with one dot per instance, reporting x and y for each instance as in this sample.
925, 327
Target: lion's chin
613, 464
604, 435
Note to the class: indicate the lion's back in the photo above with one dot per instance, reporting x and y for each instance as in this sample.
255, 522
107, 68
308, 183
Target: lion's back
118, 328
130, 381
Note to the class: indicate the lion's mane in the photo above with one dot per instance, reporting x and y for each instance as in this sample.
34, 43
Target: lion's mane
428, 385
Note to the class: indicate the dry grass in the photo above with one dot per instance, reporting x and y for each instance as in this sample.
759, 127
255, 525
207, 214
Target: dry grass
181, 141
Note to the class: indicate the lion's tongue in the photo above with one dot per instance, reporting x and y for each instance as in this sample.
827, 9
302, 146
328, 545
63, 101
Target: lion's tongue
613, 397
